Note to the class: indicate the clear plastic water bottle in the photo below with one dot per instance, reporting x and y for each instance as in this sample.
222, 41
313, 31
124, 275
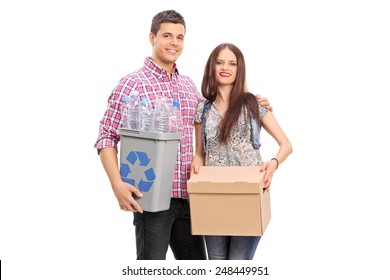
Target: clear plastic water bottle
134, 110
125, 112
161, 115
176, 120
145, 115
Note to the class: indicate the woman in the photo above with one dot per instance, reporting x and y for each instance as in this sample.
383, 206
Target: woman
227, 132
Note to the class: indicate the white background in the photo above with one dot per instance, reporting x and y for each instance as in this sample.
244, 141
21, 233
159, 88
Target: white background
324, 65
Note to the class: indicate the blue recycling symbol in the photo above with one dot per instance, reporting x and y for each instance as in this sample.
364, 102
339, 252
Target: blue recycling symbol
136, 158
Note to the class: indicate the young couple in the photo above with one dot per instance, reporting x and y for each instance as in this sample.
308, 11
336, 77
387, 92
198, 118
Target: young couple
228, 140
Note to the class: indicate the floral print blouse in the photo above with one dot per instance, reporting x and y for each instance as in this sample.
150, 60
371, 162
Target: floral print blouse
238, 151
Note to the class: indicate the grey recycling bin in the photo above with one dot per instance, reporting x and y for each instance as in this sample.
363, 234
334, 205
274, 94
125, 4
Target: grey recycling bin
147, 161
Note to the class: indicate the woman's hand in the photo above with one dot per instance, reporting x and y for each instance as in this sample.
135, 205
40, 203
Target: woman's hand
269, 168
197, 162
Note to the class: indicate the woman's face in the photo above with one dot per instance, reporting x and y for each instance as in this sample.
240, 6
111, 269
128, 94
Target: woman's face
226, 67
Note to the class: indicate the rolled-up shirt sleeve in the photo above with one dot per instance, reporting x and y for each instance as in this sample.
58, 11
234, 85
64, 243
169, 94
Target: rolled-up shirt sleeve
111, 122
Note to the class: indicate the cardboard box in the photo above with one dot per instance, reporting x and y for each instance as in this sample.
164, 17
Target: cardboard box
229, 200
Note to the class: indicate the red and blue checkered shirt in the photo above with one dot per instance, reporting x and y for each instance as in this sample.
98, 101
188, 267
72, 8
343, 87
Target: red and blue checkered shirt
152, 81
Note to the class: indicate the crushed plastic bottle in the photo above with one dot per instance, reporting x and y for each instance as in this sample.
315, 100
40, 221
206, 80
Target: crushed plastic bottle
175, 119
125, 112
134, 110
145, 115
161, 115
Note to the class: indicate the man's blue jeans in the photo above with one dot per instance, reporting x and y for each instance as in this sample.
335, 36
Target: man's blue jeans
231, 247
154, 231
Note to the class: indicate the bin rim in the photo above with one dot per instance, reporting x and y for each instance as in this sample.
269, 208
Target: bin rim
149, 134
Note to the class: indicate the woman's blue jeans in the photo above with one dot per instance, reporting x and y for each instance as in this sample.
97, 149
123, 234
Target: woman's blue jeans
231, 247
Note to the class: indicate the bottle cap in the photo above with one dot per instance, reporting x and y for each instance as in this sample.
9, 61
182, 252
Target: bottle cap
134, 93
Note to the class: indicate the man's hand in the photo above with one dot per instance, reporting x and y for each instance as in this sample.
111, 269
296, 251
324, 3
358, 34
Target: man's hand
124, 194
123, 191
264, 102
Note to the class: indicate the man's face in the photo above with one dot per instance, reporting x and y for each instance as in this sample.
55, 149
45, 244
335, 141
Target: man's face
168, 44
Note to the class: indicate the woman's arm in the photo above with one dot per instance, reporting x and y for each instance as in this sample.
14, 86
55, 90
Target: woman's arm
272, 126
198, 159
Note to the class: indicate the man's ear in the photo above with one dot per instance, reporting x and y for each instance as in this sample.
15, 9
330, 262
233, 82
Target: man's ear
151, 38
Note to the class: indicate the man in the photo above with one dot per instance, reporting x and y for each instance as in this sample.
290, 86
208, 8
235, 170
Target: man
159, 76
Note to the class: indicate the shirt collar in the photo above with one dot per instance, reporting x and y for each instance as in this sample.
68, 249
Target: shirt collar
157, 70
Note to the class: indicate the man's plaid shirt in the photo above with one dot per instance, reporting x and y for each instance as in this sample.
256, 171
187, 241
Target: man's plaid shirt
152, 81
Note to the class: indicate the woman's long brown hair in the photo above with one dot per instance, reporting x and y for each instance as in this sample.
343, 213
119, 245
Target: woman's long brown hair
239, 97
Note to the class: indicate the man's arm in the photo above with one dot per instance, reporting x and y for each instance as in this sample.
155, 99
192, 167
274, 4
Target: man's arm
123, 191
264, 102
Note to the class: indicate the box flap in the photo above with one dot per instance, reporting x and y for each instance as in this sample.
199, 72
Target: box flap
226, 179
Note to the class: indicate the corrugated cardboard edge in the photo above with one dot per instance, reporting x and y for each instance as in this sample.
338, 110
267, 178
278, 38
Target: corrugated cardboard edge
198, 185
